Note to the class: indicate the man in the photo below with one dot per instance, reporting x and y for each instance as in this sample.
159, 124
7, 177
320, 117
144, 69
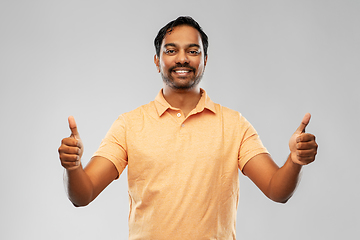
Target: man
183, 152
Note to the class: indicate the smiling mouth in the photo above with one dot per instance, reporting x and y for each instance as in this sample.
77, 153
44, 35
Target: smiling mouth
182, 71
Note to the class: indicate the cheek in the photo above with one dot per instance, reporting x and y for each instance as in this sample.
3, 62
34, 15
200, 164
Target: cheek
200, 67
198, 62
163, 65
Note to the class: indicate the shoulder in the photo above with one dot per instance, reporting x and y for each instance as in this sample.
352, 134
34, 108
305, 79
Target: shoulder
232, 118
139, 113
228, 113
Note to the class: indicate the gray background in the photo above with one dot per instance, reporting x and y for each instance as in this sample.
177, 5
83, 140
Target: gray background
273, 61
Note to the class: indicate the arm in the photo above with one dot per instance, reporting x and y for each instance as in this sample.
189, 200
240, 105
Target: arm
276, 183
83, 185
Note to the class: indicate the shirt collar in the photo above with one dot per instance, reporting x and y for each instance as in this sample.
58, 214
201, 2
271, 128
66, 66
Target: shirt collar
205, 102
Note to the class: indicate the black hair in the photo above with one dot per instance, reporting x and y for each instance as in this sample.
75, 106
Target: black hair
189, 21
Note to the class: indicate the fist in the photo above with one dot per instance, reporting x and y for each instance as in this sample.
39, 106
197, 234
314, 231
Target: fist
71, 149
303, 146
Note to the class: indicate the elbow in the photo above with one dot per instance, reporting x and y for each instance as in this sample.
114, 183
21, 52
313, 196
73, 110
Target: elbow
77, 205
80, 202
282, 200
279, 196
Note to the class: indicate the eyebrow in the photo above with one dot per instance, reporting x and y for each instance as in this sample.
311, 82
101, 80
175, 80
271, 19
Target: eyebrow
189, 46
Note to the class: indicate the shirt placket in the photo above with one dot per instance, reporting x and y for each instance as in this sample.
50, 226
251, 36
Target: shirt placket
179, 116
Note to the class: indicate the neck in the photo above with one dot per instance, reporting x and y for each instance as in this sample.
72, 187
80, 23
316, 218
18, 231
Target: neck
186, 100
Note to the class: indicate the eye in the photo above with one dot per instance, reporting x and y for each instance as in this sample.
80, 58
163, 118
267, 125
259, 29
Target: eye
194, 52
170, 51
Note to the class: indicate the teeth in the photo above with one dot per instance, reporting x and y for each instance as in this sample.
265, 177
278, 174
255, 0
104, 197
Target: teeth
182, 71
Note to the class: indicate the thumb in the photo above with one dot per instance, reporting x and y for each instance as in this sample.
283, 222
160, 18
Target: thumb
73, 127
305, 121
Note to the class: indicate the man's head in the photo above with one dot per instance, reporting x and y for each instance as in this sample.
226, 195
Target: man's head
181, 57
189, 21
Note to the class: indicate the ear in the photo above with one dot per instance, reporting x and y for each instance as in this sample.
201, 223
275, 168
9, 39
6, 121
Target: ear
205, 60
157, 62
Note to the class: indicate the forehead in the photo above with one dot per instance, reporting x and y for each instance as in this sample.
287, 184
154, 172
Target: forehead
183, 35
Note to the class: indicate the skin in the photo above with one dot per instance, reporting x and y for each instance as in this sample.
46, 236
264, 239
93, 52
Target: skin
276, 183
181, 47
182, 50
83, 185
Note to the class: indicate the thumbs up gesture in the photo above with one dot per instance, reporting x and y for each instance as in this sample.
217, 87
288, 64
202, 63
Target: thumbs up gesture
303, 146
71, 149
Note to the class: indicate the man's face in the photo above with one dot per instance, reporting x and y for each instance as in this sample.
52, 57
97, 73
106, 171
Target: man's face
182, 61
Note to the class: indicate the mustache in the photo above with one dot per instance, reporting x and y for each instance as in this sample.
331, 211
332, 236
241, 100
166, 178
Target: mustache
180, 65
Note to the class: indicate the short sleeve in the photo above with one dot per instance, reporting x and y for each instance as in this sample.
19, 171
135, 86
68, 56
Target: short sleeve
251, 144
113, 146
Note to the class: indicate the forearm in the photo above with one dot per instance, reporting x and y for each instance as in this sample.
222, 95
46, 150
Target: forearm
78, 186
284, 181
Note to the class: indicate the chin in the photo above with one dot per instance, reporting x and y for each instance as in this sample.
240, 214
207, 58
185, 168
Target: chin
181, 84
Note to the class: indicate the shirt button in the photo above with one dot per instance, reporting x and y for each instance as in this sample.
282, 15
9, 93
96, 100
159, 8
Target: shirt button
179, 114
183, 125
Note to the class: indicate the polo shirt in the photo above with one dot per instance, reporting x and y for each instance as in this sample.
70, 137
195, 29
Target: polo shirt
183, 178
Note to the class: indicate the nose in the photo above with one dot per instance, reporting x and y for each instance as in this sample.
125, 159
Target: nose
182, 57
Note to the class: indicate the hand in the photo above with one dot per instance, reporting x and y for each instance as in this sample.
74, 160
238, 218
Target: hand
303, 146
71, 149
